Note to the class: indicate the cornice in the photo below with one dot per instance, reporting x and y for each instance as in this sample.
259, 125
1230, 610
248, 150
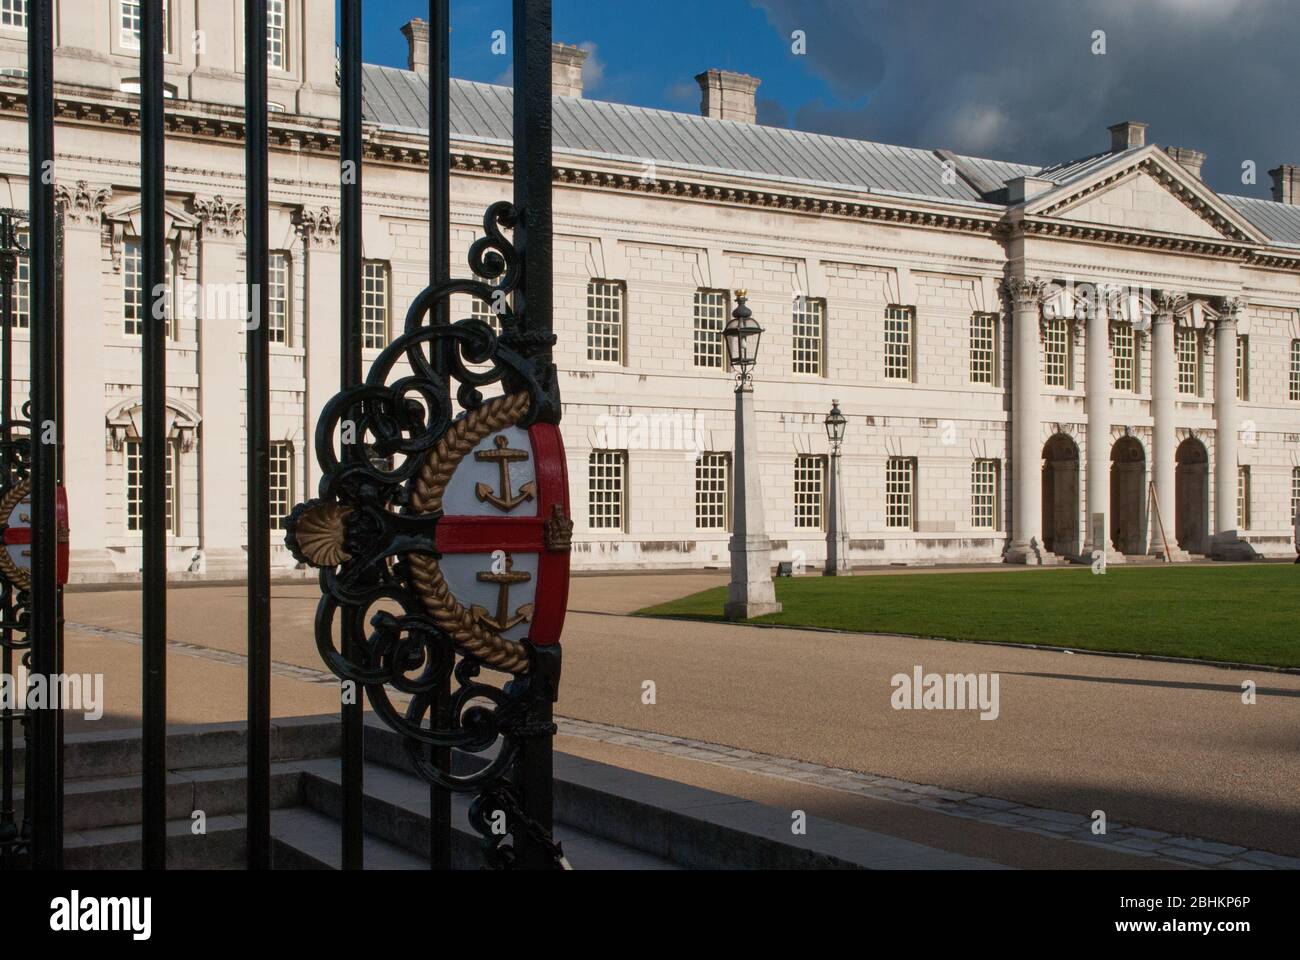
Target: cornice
83, 105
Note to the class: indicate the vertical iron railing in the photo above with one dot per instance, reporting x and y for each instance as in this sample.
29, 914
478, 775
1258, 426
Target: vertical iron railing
153, 342
256, 225
439, 272
350, 162
533, 298
42, 794
14, 455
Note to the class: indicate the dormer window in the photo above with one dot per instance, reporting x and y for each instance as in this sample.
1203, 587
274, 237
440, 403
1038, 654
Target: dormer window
13, 14
131, 23
276, 35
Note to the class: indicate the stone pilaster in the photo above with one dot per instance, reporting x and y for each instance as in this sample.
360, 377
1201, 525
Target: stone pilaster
85, 406
1097, 375
1227, 543
1164, 430
1025, 299
221, 378
320, 233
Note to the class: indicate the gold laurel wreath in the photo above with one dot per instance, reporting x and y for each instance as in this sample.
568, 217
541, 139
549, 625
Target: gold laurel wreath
466, 631
20, 578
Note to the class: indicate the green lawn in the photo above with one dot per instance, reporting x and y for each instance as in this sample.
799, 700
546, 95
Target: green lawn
1241, 613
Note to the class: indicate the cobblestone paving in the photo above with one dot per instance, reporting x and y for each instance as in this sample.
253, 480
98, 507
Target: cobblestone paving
1060, 824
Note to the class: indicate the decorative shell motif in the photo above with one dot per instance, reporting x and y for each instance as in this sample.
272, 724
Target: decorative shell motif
319, 532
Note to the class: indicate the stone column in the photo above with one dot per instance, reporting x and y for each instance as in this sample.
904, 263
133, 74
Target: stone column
1025, 298
320, 235
1226, 544
837, 534
1164, 430
85, 405
751, 593
1097, 403
221, 300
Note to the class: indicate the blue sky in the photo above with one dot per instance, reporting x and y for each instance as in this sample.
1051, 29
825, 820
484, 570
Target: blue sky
1022, 80
646, 57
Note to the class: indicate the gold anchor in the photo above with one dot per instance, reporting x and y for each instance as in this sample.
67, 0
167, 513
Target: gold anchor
504, 621
503, 455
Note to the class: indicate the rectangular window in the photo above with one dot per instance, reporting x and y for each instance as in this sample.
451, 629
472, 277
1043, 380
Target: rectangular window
808, 335
134, 451
710, 317
810, 492
712, 485
22, 286
1243, 368
1056, 353
898, 343
984, 489
900, 488
480, 310
1123, 346
984, 348
1294, 391
131, 25
1243, 498
606, 471
1188, 347
281, 483
374, 305
276, 48
13, 13
1295, 493
605, 321
279, 292
135, 301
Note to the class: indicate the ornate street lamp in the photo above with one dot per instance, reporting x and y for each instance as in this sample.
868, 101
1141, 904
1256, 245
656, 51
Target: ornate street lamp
751, 593
742, 335
837, 537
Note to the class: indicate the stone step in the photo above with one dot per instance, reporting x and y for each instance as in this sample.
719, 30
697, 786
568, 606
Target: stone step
116, 801
396, 810
119, 753
223, 846
688, 826
304, 839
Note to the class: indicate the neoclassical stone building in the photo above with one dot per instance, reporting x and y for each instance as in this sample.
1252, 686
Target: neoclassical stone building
1036, 363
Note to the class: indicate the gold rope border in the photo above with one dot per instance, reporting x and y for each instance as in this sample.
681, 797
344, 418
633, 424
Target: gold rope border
20, 578
460, 624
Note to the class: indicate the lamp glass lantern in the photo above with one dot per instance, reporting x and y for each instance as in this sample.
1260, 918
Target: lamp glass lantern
835, 423
742, 335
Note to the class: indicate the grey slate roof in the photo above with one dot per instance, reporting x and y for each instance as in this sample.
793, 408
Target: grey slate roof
1279, 221
481, 112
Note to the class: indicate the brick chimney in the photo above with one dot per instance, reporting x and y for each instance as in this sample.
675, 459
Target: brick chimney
566, 69
417, 38
1286, 184
1127, 135
1189, 159
727, 95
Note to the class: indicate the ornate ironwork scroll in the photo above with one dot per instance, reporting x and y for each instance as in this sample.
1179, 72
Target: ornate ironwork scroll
387, 619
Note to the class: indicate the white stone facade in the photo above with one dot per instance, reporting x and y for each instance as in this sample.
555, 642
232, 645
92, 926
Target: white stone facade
1137, 222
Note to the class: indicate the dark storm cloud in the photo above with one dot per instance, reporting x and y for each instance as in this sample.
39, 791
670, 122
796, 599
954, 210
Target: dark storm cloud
1017, 80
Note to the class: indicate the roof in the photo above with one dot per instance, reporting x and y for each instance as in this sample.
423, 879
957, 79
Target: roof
1280, 222
398, 100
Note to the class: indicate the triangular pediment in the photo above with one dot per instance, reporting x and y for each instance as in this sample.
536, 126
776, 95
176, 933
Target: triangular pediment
1144, 192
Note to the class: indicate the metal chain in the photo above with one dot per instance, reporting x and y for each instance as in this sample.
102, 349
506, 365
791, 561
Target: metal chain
538, 833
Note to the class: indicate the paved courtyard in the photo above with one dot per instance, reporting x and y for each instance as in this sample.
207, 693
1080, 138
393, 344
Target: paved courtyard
1160, 747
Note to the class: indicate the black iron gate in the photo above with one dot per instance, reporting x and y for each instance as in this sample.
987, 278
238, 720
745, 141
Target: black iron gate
375, 441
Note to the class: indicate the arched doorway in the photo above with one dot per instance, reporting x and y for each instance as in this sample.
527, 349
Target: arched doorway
1061, 496
1192, 496
1128, 496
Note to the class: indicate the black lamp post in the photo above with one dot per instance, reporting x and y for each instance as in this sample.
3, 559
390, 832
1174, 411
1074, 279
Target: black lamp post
751, 593
837, 543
